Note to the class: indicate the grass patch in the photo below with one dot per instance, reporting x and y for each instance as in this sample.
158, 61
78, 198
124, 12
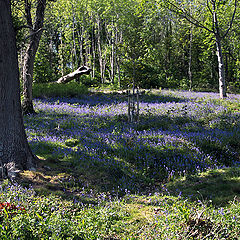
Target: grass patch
218, 186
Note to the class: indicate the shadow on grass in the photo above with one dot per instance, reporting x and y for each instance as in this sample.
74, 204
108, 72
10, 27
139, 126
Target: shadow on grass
106, 157
219, 185
100, 98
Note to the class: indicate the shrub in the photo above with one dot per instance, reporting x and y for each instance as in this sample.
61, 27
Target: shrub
72, 89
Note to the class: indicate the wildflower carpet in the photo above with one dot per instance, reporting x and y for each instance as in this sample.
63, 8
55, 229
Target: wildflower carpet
173, 175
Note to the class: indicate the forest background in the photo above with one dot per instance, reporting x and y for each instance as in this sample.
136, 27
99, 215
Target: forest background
125, 40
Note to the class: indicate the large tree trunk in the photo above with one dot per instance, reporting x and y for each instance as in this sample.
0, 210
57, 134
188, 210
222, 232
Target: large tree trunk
14, 148
29, 58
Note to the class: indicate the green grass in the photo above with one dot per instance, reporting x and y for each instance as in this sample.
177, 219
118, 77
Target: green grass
97, 216
216, 186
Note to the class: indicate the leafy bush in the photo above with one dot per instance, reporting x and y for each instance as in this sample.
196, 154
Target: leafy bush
72, 89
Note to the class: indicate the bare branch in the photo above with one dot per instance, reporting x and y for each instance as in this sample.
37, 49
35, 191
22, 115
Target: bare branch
34, 33
210, 10
231, 22
184, 14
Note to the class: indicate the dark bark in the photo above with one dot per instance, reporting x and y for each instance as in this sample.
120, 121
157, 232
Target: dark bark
74, 75
35, 32
14, 148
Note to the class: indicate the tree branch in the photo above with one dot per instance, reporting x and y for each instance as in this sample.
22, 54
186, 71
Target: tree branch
210, 10
182, 13
34, 33
231, 22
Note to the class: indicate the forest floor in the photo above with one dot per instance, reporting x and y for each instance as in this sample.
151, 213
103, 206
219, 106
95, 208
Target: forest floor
173, 174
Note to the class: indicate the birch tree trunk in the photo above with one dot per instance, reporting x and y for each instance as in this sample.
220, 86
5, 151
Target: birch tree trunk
111, 36
93, 46
61, 53
14, 148
221, 72
29, 58
74, 48
100, 54
190, 59
118, 58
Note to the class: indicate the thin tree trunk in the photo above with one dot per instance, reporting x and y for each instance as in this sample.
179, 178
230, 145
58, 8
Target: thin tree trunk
93, 46
118, 58
100, 55
82, 47
190, 59
113, 60
75, 58
112, 42
221, 72
14, 148
29, 58
118, 71
61, 53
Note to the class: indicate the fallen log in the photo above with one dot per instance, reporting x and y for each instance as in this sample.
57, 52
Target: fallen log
73, 75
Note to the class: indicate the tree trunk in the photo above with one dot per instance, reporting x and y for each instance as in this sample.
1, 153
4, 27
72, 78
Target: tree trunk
102, 64
75, 57
118, 59
190, 59
61, 53
93, 45
221, 72
29, 58
113, 60
14, 148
